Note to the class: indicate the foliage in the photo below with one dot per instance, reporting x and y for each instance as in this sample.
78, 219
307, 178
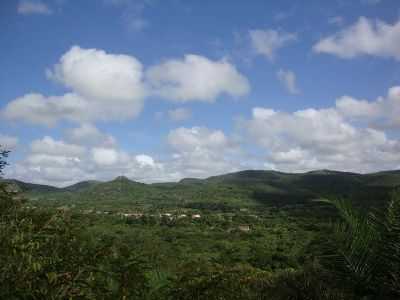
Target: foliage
52, 248
225, 193
367, 250
43, 255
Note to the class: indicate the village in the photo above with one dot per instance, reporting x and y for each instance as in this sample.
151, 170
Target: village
167, 216
164, 216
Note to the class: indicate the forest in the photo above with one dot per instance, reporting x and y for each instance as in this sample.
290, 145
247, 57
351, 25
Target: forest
253, 235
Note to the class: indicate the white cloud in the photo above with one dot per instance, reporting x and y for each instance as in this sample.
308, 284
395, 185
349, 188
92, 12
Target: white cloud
324, 138
104, 87
196, 78
288, 79
8, 142
50, 161
60, 163
48, 145
29, 7
384, 112
354, 108
308, 139
179, 114
88, 134
365, 37
108, 87
95, 74
38, 109
268, 42
280, 130
44, 161
105, 156
145, 160
202, 152
190, 139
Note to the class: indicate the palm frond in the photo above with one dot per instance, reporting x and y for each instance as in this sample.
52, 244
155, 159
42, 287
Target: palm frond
357, 240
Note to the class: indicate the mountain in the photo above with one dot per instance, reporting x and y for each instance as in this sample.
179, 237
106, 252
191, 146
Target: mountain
244, 188
191, 181
26, 187
81, 186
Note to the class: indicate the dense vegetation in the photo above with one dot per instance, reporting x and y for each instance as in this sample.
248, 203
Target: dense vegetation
230, 192
258, 235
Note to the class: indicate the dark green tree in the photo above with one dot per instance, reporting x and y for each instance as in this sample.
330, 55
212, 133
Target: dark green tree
366, 255
47, 255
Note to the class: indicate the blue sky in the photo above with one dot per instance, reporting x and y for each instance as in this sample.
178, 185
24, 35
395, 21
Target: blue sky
160, 90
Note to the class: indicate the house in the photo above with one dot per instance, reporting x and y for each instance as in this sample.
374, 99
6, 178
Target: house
132, 215
244, 228
197, 216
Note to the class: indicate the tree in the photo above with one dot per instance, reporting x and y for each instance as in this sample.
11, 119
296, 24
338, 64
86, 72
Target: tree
46, 255
367, 250
3, 156
10, 199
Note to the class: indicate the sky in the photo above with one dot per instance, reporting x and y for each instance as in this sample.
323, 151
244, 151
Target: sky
162, 90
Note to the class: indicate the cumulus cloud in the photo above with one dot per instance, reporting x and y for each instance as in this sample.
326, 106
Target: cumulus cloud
268, 42
49, 146
145, 160
190, 139
8, 142
100, 76
195, 152
365, 37
111, 162
105, 156
30, 7
288, 79
88, 134
202, 152
60, 163
108, 87
38, 109
325, 138
384, 112
104, 87
50, 161
196, 78
179, 114
354, 108
307, 139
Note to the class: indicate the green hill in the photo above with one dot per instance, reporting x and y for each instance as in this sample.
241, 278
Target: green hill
233, 190
26, 187
81, 186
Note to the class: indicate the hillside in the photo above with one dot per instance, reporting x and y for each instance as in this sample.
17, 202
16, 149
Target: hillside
26, 187
244, 188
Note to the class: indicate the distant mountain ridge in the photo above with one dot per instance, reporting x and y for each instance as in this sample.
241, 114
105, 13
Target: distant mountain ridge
255, 187
392, 176
31, 187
